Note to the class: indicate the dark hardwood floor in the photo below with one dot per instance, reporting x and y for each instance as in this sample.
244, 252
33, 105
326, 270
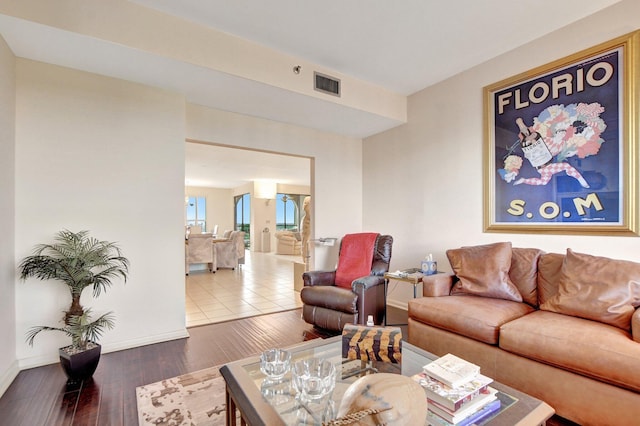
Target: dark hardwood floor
39, 396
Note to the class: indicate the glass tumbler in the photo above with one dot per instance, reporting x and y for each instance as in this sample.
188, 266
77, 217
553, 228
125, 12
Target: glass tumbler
275, 363
313, 378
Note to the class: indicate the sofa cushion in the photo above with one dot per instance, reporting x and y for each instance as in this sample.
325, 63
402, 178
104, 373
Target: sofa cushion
475, 317
590, 348
524, 273
549, 266
597, 288
484, 271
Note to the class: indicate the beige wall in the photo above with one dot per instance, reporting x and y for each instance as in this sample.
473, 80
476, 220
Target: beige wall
104, 155
433, 165
8, 363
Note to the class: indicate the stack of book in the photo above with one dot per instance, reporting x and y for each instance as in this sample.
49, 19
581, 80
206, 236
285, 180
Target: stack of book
457, 393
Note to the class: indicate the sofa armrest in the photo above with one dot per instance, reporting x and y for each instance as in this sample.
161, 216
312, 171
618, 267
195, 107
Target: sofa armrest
437, 285
366, 282
313, 278
635, 325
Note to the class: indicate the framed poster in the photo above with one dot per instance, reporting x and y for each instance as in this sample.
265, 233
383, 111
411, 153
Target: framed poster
561, 145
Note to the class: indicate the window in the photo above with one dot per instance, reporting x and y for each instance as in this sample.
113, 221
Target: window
197, 212
243, 215
288, 211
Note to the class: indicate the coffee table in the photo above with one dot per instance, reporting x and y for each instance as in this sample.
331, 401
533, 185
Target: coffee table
263, 402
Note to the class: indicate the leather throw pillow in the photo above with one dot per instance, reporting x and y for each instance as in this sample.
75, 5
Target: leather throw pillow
484, 271
597, 288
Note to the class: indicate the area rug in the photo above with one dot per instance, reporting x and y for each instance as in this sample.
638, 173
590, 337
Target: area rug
191, 399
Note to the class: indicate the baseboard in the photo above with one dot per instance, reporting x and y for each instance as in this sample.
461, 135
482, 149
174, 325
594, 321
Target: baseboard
398, 304
8, 376
53, 357
134, 343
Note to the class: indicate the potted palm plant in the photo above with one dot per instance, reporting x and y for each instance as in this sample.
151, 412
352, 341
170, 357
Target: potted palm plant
78, 261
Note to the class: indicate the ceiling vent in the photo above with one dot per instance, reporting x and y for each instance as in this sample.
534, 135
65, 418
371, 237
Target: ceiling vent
325, 84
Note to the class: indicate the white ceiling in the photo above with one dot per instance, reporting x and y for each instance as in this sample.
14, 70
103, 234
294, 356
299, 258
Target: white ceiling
223, 167
403, 46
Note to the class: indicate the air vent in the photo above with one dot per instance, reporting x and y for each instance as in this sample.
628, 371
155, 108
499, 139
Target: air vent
325, 84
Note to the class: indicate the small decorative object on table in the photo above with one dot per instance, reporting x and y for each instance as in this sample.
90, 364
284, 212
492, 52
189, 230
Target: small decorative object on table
383, 399
372, 343
429, 266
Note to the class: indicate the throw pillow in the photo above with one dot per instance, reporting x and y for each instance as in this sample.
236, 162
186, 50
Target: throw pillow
597, 288
524, 273
484, 271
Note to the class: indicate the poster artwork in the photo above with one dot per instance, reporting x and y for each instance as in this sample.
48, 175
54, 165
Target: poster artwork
558, 146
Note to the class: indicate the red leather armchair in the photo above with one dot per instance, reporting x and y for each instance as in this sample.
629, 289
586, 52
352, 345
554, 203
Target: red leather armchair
329, 306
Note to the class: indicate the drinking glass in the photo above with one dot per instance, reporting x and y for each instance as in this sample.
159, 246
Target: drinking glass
313, 378
275, 363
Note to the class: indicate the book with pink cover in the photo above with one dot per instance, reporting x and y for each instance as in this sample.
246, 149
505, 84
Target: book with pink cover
452, 398
467, 409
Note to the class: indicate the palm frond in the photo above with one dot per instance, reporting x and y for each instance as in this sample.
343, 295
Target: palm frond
80, 329
34, 331
77, 259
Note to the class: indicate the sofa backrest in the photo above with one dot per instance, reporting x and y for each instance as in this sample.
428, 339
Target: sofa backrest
524, 273
535, 273
549, 267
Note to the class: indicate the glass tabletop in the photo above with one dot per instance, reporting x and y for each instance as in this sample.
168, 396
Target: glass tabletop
270, 402
281, 394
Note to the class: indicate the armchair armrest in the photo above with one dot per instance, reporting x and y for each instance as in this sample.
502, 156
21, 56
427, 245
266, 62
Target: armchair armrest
312, 278
635, 325
437, 285
366, 282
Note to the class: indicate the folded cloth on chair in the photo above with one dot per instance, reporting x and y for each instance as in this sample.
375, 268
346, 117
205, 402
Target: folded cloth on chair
356, 256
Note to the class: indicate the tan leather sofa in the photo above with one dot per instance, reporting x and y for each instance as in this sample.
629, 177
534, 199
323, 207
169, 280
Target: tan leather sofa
572, 340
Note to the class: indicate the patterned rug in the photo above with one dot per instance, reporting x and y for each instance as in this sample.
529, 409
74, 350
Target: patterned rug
191, 399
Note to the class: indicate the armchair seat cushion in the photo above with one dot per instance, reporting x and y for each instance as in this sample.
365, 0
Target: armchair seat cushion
477, 317
331, 297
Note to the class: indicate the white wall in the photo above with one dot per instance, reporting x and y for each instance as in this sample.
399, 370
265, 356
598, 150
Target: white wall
432, 183
104, 155
337, 206
8, 363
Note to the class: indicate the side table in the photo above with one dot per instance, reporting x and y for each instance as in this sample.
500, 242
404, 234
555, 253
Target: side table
411, 276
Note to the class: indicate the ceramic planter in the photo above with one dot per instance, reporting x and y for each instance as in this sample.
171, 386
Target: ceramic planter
80, 366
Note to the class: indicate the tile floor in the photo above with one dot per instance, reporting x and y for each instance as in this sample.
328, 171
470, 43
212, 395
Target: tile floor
264, 284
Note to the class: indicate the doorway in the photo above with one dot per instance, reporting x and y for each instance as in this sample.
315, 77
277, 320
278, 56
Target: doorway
222, 173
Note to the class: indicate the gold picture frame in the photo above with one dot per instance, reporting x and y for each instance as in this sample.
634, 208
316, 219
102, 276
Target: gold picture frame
561, 145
